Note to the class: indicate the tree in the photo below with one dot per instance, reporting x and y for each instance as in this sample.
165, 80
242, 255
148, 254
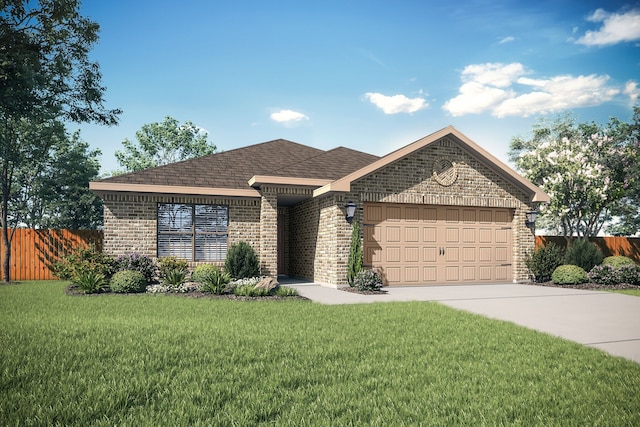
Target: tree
46, 77
163, 143
627, 212
56, 194
578, 165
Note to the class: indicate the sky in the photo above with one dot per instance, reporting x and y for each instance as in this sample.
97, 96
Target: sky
369, 75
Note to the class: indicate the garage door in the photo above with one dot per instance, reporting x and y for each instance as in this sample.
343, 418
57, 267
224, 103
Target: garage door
425, 244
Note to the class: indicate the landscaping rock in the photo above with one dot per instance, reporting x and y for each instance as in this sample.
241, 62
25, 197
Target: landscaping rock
268, 283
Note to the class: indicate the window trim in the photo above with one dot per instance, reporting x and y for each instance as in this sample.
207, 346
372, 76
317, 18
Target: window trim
193, 235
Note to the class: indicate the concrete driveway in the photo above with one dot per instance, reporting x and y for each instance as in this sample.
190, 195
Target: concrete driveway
604, 320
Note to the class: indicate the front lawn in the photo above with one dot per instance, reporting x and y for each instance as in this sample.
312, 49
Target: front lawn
635, 292
167, 360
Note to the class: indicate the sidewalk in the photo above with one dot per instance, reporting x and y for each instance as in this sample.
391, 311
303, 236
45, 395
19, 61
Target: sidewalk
604, 320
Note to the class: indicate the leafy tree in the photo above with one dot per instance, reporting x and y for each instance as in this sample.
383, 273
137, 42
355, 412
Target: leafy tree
47, 77
578, 166
627, 212
163, 143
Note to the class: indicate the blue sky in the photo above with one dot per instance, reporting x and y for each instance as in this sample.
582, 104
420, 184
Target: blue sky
368, 75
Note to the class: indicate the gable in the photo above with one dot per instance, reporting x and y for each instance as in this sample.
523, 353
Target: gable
437, 145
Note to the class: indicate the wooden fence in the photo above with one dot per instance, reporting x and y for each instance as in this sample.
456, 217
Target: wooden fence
34, 251
627, 246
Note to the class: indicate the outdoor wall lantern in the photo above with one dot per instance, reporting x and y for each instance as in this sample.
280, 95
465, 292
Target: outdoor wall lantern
531, 218
351, 211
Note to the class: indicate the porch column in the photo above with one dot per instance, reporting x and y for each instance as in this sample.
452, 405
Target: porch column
269, 232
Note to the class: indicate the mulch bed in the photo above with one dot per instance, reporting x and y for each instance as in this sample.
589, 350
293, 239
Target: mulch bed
357, 291
74, 291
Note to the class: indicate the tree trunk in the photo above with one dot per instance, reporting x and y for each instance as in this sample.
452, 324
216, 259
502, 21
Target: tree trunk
6, 262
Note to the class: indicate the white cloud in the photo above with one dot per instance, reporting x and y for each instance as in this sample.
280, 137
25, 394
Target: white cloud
507, 39
631, 89
616, 28
288, 116
495, 74
503, 90
397, 103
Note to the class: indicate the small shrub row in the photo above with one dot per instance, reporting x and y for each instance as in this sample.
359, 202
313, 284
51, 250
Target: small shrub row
551, 262
608, 274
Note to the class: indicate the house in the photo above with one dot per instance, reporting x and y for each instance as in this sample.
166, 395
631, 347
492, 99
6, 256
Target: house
440, 210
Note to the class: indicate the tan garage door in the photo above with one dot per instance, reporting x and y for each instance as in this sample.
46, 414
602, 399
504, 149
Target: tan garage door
426, 244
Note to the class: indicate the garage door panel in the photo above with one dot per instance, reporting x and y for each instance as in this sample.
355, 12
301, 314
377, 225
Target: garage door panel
430, 234
412, 275
452, 235
468, 273
452, 273
414, 244
452, 254
430, 254
430, 274
468, 254
411, 234
412, 254
412, 214
393, 254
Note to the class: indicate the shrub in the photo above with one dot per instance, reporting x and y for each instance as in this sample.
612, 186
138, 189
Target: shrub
544, 261
82, 260
242, 261
202, 271
583, 253
90, 281
604, 274
128, 281
284, 291
140, 263
215, 280
174, 278
608, 274
167, 265
354, 263
367, 280
250, 291
618, 260
569, 275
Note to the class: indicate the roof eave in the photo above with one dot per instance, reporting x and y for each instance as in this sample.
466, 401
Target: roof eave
258, 180
101, 186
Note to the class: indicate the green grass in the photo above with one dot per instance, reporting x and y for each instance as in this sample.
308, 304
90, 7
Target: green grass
635, 292
171, 360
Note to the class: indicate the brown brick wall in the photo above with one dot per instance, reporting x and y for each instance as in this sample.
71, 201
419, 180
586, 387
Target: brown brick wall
410, 180
130, 221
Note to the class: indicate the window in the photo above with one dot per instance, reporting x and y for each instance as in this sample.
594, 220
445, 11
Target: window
193, 232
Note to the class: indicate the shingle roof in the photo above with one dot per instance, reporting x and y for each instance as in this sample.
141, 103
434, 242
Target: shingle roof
227, 169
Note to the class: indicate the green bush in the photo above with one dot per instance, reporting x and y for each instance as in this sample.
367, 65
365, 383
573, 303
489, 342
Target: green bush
367, 280
174, 278
168, 265
82, 260
544, 261
583, 253
569, 275
242, 261
140, 263
214, 280
284, 291
617, 261
250, 291
128, 281
202, 271
89, 281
